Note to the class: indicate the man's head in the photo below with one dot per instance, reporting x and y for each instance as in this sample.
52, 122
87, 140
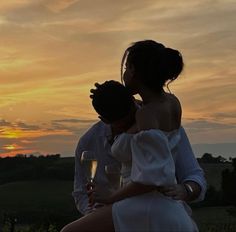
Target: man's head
114, 104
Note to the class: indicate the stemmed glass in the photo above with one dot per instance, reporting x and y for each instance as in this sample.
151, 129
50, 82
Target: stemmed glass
113, 175
89, 162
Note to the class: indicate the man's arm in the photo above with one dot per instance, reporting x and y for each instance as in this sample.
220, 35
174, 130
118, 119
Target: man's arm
188, 170
80, 192
188, 173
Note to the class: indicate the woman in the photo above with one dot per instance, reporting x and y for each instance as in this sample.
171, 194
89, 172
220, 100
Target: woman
151, 143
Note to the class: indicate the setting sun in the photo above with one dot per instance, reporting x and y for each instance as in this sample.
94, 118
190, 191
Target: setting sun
9, 147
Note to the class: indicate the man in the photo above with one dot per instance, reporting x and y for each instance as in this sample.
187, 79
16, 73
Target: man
190, 177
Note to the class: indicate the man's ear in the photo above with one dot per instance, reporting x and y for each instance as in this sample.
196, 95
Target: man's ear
103, 119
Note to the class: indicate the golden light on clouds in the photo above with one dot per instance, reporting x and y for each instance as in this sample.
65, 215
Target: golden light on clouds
15, 133
53, 51
10, 133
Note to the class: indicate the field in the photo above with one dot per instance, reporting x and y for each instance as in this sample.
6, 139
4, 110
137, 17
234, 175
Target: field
213, 173
38, 202
51, 201
214, 219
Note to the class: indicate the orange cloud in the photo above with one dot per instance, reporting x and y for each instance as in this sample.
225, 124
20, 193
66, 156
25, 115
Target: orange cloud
18, 133
59, 5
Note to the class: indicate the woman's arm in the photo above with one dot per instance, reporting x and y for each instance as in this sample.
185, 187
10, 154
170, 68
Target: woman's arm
129, 190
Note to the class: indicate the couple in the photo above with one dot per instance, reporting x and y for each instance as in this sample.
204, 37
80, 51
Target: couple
150, 137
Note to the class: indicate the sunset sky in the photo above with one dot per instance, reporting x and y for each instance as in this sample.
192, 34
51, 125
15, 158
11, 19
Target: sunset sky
53, 51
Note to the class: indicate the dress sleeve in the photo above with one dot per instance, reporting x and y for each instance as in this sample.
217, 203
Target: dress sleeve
152, 161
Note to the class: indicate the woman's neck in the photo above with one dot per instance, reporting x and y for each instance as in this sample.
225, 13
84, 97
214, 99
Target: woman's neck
149, 96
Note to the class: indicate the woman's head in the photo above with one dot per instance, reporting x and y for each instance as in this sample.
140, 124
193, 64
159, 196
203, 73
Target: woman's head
150, 64
114, 104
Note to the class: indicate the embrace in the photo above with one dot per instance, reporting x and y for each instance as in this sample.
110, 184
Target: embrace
146, 141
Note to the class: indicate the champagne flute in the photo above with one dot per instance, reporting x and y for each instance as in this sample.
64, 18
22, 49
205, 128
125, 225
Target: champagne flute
89, 162
113, 175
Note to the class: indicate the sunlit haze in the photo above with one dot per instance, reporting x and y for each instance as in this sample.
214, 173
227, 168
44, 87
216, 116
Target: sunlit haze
53, 51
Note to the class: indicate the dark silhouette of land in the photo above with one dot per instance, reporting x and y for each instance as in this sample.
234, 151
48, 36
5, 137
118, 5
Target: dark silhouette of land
37, 190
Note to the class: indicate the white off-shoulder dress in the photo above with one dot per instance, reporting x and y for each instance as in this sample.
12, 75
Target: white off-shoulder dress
152, 153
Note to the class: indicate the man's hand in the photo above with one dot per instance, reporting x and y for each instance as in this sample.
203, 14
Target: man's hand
188, 191
177, 192
93, 91
99, 195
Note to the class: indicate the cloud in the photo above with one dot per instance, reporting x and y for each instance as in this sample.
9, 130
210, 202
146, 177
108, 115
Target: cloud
24, 126
207, 131
30, 139
59, 137
13, 4
201, 125
220, 115
21, 130
59, 5
3, 123
69, 125
63, 144
73, 120
20, 125
224, 149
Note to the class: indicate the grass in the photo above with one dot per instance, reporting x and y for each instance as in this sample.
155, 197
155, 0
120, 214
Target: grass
50, 202
36, 195
38, 202
213, 173
215, 219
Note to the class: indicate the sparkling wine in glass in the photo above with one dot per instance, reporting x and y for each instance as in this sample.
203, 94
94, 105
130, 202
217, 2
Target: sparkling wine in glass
113, 175
89, 162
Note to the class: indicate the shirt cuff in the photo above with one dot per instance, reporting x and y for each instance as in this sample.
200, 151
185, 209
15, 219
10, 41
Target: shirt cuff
202, 186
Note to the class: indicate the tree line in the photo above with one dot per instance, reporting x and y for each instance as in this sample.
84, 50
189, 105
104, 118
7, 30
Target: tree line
30, 167
227, 194
209, 158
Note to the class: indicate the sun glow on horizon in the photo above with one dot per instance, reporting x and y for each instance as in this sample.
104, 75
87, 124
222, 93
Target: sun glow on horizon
10, 147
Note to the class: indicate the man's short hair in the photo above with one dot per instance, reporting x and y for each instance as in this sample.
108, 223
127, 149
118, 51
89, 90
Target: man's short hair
112, 100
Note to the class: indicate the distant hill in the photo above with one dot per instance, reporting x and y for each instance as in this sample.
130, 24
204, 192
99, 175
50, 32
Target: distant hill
36, 168
224, 149
57, 168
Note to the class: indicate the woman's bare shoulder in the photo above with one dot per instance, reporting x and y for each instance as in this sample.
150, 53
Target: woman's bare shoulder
173, 97
145, 119
176, 107
165, 115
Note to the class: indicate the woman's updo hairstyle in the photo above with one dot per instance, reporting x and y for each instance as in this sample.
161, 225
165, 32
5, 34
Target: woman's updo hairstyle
154, 64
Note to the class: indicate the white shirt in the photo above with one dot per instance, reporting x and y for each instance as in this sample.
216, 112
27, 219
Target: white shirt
96, 139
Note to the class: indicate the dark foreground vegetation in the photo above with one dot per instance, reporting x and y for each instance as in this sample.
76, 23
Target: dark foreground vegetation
35, 194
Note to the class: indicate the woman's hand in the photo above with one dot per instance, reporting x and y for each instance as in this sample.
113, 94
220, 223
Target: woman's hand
177, 192
181, 192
